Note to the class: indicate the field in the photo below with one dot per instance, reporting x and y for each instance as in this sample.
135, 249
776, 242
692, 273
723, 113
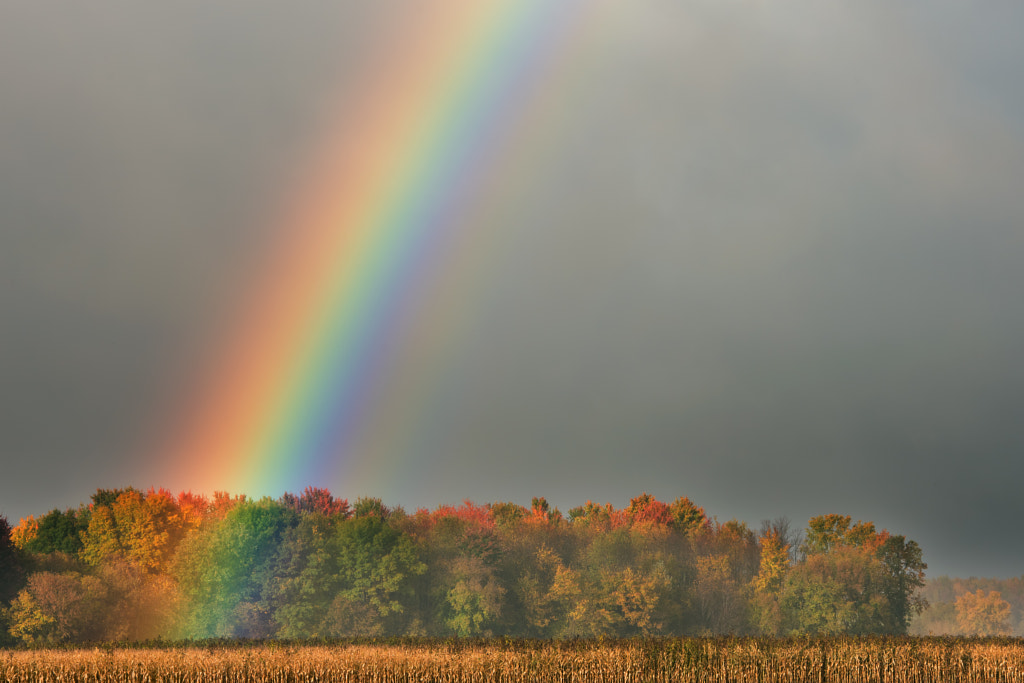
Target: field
736, 660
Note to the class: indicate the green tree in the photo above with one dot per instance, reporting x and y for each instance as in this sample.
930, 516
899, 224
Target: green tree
107, 497
592, 515
879, 576
306, 578
835, 593
904, 578
825, 532
26, 622
474, 600
370, 507
59, 532
507, 515
375, 564
226, 570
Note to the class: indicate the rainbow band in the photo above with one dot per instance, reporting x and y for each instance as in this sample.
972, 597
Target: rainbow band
301, 373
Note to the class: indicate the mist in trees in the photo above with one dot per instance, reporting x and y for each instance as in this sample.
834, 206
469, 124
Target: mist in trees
972, 607
134, 565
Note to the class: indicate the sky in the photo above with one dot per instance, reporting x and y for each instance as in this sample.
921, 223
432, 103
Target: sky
767, 255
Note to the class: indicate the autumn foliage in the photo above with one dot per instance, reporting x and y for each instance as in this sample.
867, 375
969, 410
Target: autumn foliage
135, 565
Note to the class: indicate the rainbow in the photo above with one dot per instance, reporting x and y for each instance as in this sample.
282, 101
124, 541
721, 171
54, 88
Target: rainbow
389, 203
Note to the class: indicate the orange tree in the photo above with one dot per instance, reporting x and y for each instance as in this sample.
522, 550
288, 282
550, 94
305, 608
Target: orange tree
981, 614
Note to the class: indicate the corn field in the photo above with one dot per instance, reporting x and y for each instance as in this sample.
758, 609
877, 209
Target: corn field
736, 660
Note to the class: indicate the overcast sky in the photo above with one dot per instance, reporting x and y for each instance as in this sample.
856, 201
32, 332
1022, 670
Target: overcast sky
776, 264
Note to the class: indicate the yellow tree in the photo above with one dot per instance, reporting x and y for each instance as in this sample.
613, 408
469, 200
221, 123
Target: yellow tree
57, 608
774, 561
142, 528
27, 529
99, 540
768, 583
591, 594
639, 594
978, 614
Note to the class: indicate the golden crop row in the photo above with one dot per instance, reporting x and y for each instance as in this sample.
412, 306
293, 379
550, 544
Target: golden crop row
739, 660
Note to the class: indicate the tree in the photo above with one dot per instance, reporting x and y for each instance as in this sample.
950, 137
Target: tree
474, 601
25, 532
100, 540
507, 515
593, 515
541, 512
981, 614
107, 497
12, 574
375, 564
226, 571
624, 584
318, 500
223, 503
719, 596
735, 540
825, 532
591, 595
305, 577
141, 528
639, 595
767, 585
774, 561
904, 568
26, 622
58, 532
59, 608
140, 605
539, 586
370, 507
137, 565
645, 509
194, 510
883, 590
840, 591
687, 517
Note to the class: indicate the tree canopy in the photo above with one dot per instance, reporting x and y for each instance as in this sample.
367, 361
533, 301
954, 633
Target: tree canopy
137, 565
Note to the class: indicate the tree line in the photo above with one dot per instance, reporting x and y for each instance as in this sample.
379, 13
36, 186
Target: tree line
134, 565
972, 607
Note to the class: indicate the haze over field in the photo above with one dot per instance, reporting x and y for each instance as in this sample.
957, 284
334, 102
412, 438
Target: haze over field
767, 256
